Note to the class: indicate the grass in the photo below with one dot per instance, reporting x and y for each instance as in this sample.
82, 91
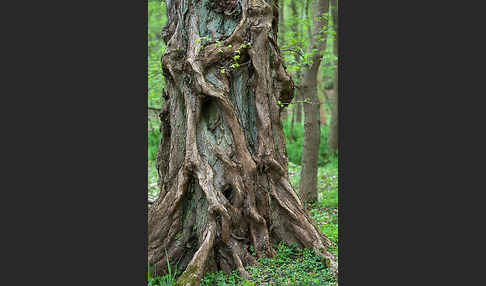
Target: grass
166, 280
291, 266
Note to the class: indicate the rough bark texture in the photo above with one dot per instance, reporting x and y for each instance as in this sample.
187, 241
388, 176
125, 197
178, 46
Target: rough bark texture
222, 161
308, 181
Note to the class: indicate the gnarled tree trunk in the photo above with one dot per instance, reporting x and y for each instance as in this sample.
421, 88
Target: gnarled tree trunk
222, 161
310, 149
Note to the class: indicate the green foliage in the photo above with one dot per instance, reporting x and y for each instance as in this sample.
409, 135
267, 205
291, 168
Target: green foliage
291, 266
157, 18
221, 279
153, 143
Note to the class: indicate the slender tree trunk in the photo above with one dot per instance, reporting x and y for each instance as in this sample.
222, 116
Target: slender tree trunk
222, 161
323, 113
306, 15
281, 31
333, 129
284, 114
310, 150
291, 137
298, 106
321, 92
298, 78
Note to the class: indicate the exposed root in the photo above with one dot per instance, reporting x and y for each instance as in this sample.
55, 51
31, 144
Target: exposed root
195, 270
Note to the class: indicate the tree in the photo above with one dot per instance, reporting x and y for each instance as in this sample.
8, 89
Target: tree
296, 34
333, 128
281, 38
310, 150
222, 160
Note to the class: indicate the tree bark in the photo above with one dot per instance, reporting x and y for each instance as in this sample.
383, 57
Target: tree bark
222, 161
310, 150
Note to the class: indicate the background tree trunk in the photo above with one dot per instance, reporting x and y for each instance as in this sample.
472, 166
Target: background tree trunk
298, 77
307, 14
310, 151
333, 128
281, 32
222, 160
323, 113
291, 136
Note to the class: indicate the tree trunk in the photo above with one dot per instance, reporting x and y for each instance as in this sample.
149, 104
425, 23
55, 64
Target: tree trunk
323, 113
295, 31
298, 105
281, 24
222, 161
281, 32
306, 15
291, 137
310, 150
333, 128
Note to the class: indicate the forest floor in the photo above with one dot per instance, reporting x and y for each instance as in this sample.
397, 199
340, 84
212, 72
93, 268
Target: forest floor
291, 266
